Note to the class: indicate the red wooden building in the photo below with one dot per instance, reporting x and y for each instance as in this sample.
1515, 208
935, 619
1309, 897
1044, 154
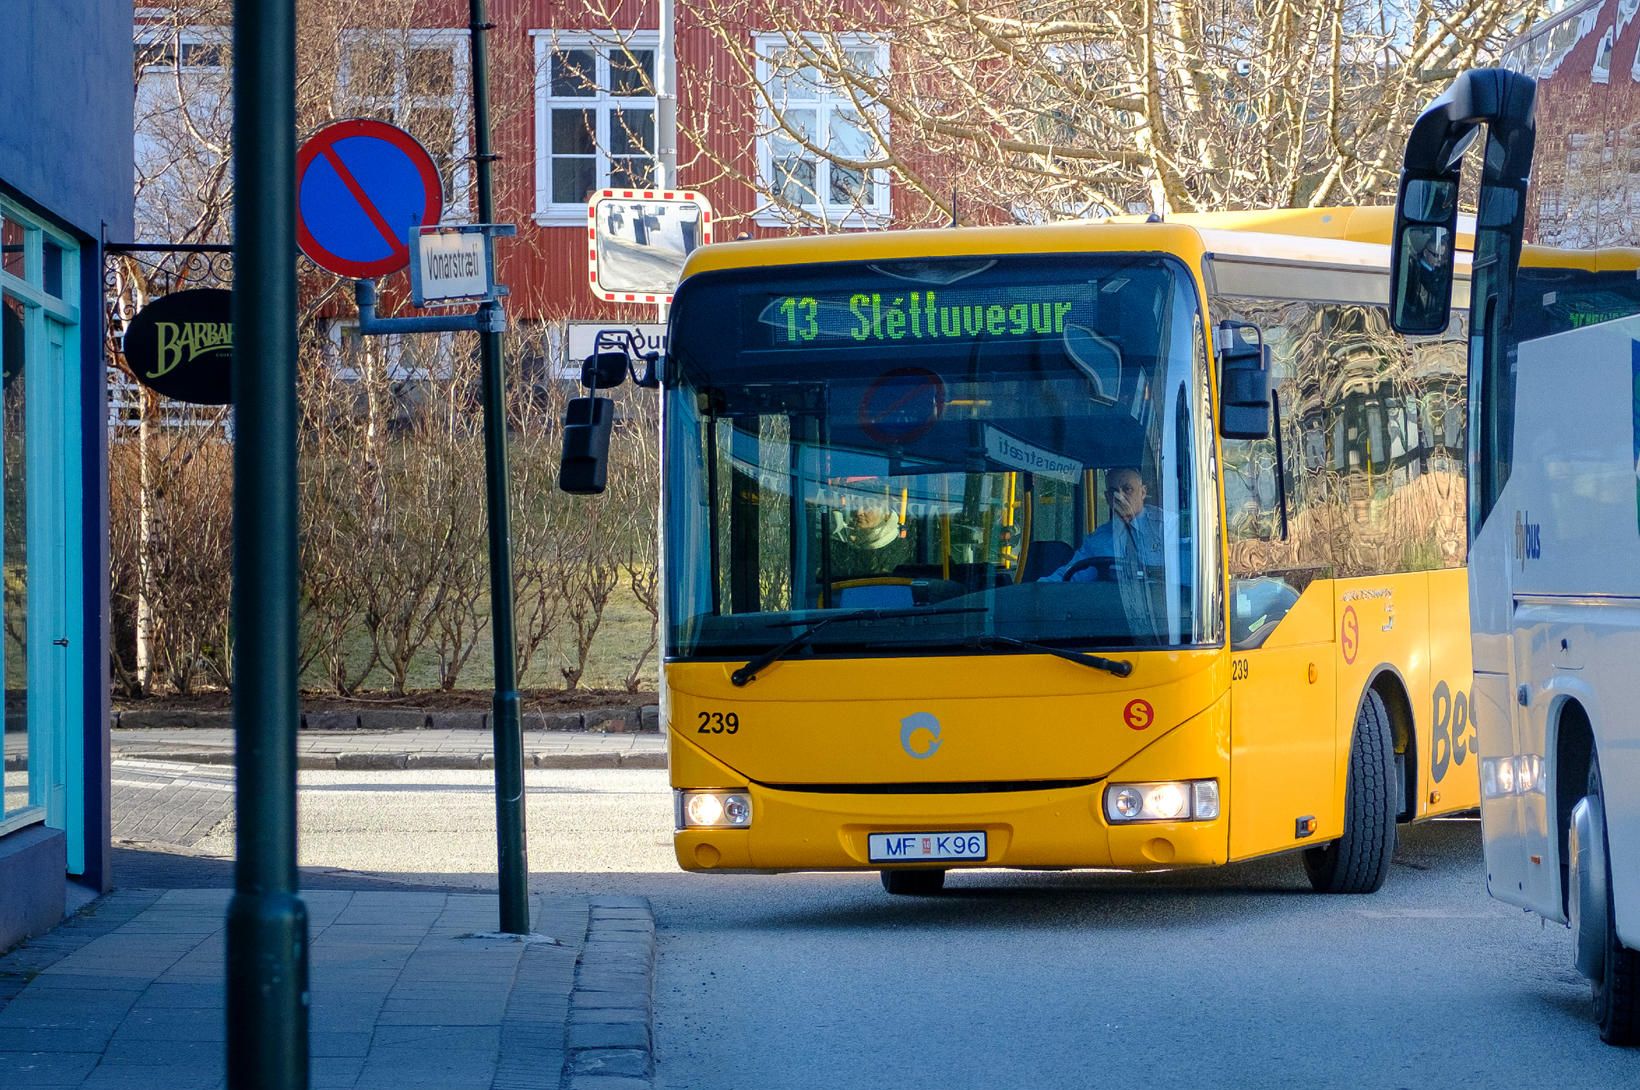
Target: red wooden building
574, 109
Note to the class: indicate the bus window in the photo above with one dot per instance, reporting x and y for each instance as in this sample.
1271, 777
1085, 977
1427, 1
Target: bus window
882, 437
1371, 476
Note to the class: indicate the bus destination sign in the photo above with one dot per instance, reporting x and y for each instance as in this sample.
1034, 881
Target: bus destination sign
864, 318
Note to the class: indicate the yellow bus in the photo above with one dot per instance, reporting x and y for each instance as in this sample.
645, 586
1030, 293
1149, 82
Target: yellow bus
965, 564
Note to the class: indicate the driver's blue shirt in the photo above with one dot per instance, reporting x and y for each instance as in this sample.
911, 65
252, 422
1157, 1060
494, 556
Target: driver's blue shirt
1112, 544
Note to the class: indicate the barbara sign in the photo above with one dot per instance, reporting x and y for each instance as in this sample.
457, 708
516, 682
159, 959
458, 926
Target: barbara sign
181, 346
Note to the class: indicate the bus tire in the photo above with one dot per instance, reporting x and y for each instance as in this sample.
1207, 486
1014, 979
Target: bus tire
1617, 988
914, 883
1358, 861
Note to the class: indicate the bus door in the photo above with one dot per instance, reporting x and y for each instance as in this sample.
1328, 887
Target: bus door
1283, 662
1283, 692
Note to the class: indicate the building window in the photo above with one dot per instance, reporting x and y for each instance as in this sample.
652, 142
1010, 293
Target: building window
417, 80
820, 129
183, 128
594, 119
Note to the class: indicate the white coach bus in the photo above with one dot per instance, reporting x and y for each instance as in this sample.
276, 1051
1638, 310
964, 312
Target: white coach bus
1554, 466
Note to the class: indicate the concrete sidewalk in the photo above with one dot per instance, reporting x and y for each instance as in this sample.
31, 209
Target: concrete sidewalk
409, 992
385, 749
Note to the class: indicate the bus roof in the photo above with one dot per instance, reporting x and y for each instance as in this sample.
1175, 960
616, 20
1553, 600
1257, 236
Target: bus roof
1610, 259
1372, 224
1322, 236
1296, 234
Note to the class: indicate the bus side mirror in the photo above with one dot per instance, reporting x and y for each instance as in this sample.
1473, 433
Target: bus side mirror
588, 422
1422, 254
1244, 381
603, 370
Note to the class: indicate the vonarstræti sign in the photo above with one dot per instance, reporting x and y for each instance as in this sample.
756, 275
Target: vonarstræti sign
181, 346
452, 264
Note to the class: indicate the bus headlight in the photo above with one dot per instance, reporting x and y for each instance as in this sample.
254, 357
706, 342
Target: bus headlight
714, 810
1174, 800
1521, 774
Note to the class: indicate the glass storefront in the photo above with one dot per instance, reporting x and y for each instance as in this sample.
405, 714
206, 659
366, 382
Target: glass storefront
40, 514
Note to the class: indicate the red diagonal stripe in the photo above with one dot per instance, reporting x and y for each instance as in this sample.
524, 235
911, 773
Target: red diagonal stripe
365, 203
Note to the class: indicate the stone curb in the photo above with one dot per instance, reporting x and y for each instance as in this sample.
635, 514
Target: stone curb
378, 762
613, 720
609, 1040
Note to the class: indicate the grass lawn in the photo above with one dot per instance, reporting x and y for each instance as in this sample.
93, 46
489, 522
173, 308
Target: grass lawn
619, 641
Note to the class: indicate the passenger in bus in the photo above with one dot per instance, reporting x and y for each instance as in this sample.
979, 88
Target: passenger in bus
869, 538
1131, 543
1427, 282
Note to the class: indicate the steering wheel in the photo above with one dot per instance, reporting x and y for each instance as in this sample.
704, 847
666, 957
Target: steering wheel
1105, 569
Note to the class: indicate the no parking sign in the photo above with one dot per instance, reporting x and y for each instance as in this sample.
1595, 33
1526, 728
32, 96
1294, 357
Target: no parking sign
361, 186
902, 405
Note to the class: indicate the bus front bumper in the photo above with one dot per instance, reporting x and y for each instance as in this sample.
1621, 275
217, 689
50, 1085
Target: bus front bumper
1053, 827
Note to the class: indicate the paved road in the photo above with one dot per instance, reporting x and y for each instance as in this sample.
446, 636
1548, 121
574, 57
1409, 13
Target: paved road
1234, 977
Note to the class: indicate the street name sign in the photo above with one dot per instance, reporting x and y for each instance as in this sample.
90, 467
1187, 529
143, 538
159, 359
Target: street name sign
582, 341
452, 265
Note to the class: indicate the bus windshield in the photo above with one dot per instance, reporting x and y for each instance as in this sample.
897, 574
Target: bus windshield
952, 451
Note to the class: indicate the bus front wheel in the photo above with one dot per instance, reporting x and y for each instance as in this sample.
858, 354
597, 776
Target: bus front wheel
913, 883
1617, 984
1358, 861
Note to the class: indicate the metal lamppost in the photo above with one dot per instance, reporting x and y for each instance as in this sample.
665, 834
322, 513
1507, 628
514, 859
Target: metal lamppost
513, 871
267, 970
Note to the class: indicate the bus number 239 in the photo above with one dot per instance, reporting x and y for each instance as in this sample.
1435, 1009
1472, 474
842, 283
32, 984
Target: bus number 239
718, 723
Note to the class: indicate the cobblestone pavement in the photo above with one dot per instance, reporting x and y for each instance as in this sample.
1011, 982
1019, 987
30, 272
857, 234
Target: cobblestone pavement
409, 992
168, 802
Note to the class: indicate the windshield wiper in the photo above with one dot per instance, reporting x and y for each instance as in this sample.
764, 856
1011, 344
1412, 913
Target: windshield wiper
752, 668
1119, 667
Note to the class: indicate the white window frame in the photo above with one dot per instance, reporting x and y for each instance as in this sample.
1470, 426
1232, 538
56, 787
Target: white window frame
775, 213
548, 213
159, 31
401, 105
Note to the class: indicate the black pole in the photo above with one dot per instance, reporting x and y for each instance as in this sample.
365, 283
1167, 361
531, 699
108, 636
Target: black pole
267, 988
514, 869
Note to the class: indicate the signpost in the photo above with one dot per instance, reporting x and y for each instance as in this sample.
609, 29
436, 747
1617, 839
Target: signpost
369, 200
361, 186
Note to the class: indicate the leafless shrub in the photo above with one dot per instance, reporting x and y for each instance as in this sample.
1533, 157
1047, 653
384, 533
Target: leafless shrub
988, 112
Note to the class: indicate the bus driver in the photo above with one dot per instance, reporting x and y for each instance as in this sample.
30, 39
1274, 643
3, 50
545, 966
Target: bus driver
1124, 547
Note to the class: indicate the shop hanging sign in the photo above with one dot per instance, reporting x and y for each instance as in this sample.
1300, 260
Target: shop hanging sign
181, 345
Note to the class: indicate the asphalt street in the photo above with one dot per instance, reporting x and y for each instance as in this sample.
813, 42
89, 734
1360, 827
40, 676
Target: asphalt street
1232, 977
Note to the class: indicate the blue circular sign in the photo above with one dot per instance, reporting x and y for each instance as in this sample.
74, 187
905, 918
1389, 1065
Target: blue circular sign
361, 186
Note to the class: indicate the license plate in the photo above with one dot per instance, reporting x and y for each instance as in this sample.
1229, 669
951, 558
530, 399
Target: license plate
924, 847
